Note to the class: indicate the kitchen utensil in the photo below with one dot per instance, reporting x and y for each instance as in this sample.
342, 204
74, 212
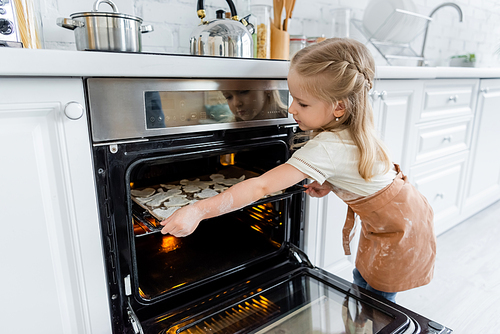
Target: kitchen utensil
108, 31
222, 37
280, 43
288, 11
278, 10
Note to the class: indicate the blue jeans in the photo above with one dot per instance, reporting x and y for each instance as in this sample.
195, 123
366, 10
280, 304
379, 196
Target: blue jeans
360, 281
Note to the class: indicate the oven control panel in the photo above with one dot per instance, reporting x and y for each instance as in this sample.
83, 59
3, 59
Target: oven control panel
124, 109
9, 35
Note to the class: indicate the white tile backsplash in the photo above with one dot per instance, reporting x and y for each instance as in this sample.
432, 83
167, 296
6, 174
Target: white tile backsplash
173, 21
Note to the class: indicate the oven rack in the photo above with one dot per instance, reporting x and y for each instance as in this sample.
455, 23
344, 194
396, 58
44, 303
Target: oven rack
147, 223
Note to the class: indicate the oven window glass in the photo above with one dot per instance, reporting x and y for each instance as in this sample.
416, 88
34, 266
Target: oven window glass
300, 305
166, 109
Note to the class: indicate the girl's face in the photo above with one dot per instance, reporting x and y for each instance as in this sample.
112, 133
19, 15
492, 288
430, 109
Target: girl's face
245, 104
309, 112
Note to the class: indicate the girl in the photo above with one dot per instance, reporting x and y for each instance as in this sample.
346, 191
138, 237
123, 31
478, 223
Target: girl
329, 83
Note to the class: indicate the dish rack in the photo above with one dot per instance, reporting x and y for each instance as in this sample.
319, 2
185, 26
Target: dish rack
396, 50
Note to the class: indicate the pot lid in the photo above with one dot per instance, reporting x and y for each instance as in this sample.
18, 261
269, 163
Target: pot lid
96, 13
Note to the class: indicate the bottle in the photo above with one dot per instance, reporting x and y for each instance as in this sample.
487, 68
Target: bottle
297, 42
262, 19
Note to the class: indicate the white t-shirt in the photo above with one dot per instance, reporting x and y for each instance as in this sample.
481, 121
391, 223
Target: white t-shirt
333, 157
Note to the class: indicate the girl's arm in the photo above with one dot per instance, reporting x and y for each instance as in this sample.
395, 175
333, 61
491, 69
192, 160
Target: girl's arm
185, 220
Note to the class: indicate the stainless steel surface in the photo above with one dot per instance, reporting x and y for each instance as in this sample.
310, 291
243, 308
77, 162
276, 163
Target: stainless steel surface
106, 31
222, 37
117, 106
460, 19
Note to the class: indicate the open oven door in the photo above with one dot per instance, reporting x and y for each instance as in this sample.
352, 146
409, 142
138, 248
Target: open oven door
303, 300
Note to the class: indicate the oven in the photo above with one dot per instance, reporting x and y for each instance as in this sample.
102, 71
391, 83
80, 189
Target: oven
156, 140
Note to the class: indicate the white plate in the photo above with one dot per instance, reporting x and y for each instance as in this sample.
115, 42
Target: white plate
382, 22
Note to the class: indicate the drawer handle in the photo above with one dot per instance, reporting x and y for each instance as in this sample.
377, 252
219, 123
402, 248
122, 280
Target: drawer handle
453, 98
440, 195
448, 139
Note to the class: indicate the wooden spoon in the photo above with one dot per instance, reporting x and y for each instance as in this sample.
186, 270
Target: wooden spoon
288, 13
278, 9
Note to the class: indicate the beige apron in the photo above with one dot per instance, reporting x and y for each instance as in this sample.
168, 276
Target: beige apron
397, 245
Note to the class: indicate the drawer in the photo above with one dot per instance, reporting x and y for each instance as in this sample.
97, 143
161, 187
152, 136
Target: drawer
445, 98
441, 182
438, 139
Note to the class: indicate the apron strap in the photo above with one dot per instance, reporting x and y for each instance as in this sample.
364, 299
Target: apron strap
346, 231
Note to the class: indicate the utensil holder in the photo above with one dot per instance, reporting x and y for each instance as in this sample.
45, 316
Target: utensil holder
280, 43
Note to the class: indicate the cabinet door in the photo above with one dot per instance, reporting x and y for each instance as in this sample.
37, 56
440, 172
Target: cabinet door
393, 106
52, 266
441, 182
483, 183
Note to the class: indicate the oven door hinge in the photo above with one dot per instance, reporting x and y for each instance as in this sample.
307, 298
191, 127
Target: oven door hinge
134, 321
300, 256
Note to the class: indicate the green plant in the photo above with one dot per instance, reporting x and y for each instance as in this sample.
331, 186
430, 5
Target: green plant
469, 57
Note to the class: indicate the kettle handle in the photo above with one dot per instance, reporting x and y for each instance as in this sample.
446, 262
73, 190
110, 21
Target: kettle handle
232, 8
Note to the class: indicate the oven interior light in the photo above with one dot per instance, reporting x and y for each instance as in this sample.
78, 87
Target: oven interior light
170, 243
227, 159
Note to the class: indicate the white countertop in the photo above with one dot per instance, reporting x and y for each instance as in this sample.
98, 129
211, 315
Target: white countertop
28, 62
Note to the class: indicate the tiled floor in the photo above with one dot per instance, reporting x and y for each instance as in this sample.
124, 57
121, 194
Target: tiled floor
465, 292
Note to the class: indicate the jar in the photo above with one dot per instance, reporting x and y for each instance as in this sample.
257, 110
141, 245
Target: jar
29, 23
297, 42
262, 23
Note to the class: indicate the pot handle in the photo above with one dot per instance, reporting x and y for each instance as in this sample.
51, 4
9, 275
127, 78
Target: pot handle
232, 8
109, 2
146, 28
69, 23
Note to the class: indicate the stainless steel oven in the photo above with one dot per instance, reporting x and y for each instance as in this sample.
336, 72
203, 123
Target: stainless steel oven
243, 272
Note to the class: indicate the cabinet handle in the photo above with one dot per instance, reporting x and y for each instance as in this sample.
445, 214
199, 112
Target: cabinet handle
73, 110
373, 94
453, 98
485, 90
440, 195
448, 139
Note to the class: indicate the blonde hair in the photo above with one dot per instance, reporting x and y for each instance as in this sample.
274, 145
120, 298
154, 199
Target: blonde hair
342, 70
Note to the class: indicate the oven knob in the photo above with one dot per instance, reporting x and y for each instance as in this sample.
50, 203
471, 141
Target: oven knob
73, 110
2, 11
6, 27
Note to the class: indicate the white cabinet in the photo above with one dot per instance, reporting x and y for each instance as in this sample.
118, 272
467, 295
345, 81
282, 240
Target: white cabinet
52, 265
394, 101
483, 181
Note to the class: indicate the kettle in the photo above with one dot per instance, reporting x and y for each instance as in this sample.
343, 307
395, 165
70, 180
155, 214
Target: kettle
225, 37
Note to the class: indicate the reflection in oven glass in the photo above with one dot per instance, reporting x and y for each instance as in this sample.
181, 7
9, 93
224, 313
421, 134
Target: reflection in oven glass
219, 244
167, 109
296, 306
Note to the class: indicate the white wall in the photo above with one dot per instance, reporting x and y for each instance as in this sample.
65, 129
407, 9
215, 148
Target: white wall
173, 21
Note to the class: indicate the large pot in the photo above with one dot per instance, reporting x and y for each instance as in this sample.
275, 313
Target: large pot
107, 31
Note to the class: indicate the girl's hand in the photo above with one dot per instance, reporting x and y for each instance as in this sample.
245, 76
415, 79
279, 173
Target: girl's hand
182, 222
318, 190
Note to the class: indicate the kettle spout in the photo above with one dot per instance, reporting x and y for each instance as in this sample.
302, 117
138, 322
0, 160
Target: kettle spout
250, 27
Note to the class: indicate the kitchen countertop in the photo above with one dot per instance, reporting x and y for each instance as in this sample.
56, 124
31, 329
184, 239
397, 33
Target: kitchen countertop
62, 63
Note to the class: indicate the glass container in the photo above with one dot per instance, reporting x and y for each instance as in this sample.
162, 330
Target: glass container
29, 23
262, 19
297, 42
